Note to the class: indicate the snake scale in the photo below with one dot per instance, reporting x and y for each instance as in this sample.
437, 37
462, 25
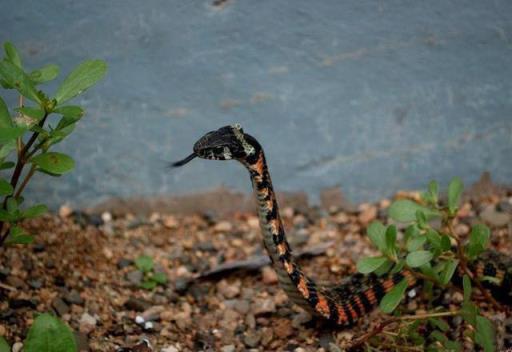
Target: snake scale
342, 304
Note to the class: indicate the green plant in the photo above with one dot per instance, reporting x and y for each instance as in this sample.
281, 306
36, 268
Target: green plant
433, 254
151, 278
47, 334
28, 134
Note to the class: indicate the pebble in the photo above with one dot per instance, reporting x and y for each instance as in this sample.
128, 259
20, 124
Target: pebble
137, 304
252, 338
263, 306
60, 306
169, 349
228, 290
17, 347
269, 275
65, 211
15, 282
87, 323
135, 277
35, 283
73, 297
3, 330
123, 263
228, 348
106, 216
170, 222
368, 213
223, 226
494, 218
283, 328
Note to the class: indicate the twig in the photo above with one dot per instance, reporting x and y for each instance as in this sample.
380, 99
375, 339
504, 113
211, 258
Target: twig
7, 287
361, 340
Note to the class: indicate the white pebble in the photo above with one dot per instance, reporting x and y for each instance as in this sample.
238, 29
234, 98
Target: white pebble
139, 320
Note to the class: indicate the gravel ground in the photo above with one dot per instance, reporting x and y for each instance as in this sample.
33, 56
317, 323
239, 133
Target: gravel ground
81, 267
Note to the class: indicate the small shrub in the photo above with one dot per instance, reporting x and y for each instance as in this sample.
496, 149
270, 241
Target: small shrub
427, 251
151, 278
28, 134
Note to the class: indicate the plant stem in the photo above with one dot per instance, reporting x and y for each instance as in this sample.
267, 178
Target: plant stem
361, 340
28, 176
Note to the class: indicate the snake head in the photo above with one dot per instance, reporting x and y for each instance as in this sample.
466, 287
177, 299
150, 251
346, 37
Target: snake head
226, 143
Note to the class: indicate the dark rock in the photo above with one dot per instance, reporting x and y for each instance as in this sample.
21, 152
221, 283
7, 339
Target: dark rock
206, 246
38, 247
505, 206
82, 342
95, 220
4, 272
6, 314
59, 281
50, 264
60, 306
137, 304
181, 285
28, 265
325, 341
22, 303
135, 277
73, 297
35, 283
123, 263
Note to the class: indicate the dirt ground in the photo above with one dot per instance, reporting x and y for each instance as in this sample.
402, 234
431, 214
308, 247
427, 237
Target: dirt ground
81, 267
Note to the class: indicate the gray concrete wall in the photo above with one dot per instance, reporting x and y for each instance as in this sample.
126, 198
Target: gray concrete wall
374, 96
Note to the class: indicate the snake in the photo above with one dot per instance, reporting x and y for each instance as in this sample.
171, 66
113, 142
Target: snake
355, 296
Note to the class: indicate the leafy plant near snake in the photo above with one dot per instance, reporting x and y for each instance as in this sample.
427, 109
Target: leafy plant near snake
425, 257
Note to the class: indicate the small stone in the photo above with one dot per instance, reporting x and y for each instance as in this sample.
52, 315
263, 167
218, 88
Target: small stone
65, 211
368, 212
505, 206
152, 313
35, 283
3, 330
242, 306
263, 306
283, 328
228, 348
494, 218
15, 282
170, 222
228, 290
60, 306
137, 304
170, 349
269, 275
38, 247
123, 263
73, 297
181, 285
135, 277
148, 325
223, 226
300, 319
252, 338
82, 341
106, 216
17, 347
139, 320
87, 323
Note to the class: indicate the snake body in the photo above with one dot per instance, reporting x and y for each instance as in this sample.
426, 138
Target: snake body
342, 304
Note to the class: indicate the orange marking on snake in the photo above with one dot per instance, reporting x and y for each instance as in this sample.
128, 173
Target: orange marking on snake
353, 313
303, 287
281, 249
388, 285
370, 296
288, 267
322, 306
342, 317
359, 303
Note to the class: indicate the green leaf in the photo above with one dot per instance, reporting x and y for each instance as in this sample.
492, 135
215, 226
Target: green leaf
469, 312
11, 133
455, 189
391, 241
377, 232
83, 77
466, 284
438, 336
439, 323
6, 165
32, 112
53, 162
49, 334
5, 188
433, 238
418, 258
148, 284
391, 300
398, 266
70, 110
370, 264
144, 263
44, 74
19, 80
12, 205
384, 268
18, 236
35, 211
446, 244
485, 334
478, 240
12, 54
4, 346
433, 189
448, 271
404, 210
159, 277
6, 148
5, 118
416, 243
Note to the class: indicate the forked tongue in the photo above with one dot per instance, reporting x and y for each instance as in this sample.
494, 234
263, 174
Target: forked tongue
184, 161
